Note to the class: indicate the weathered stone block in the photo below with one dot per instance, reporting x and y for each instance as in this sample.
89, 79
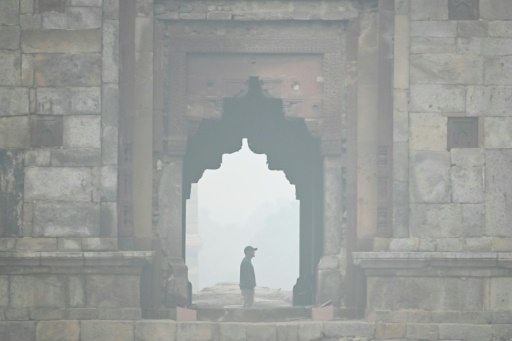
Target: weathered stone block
390, 330
11, 192
58, 183
467, 184
107, 331
65, 101
66, 219
498, 70
200, 331
423, 331
39, 157
119, 314
99, 244
449, 244
334, 329
75, 18
400, 209
16, 314
232, 331
404, 244
498, 184
465, 332
401, 161
10, 64
86, 3
4, 291
14, 132
468, 157
311, 330
470, 46
435, 221
61, 41
398, 293
495, 10
401, 116
429, 177
76, 157
36, 244
109, 145
488, 101
110, 109
500, 28
69, 244
108, 183
7, 244
428, 132
108, 219
433, 29
68, 70
497, 132
472, 28
261, 332
30, 21
473, 223
104, 291
25, 330
58, 331
9, 38
76, 291
429, 9
156, 330
464, 294
9, 12
110, 9
432, 45
286, 332
110, 51
38, 291
437, 98
82, 131
447, 69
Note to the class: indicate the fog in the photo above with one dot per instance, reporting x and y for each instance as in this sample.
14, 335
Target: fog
244, 203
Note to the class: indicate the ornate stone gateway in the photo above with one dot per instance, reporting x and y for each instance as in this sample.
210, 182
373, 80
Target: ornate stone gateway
283, 90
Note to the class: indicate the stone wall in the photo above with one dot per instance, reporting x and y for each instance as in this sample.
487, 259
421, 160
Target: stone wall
452, 123
58, 125
207, 331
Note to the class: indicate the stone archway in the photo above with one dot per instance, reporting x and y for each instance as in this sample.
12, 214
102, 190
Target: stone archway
196, 79
289, 147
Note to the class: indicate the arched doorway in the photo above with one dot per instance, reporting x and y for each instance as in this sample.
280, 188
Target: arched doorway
289, 147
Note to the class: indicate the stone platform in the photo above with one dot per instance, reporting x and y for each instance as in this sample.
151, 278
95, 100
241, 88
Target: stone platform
153, 330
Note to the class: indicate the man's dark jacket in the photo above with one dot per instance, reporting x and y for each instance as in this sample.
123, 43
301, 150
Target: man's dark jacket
247, 277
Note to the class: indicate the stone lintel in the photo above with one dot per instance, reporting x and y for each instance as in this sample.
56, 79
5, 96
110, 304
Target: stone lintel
422, 260
81, 262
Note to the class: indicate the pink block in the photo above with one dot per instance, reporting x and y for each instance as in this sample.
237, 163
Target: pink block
185, 314
322, 313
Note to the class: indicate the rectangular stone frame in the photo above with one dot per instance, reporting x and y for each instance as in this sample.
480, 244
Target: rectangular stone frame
172, 143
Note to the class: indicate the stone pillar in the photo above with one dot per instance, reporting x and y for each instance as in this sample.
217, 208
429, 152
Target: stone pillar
367, 128
332, 266
170, 233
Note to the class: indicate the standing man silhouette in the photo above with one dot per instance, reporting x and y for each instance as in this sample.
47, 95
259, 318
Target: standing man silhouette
247, 277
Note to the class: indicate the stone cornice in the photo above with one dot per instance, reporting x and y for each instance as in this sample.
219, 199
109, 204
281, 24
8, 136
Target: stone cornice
115, 262
418, 260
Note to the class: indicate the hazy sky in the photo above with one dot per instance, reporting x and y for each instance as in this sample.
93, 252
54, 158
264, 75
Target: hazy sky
244, 203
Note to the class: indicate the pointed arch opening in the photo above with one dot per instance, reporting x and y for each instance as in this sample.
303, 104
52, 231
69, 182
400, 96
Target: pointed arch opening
288, 146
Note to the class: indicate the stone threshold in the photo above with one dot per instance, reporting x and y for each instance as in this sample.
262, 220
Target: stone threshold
76, 262
274, 314
418, 260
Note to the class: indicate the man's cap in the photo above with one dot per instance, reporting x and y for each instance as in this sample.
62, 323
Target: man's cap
250, 248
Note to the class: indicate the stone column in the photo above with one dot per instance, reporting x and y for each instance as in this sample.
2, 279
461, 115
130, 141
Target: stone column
170, 232
332, 266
